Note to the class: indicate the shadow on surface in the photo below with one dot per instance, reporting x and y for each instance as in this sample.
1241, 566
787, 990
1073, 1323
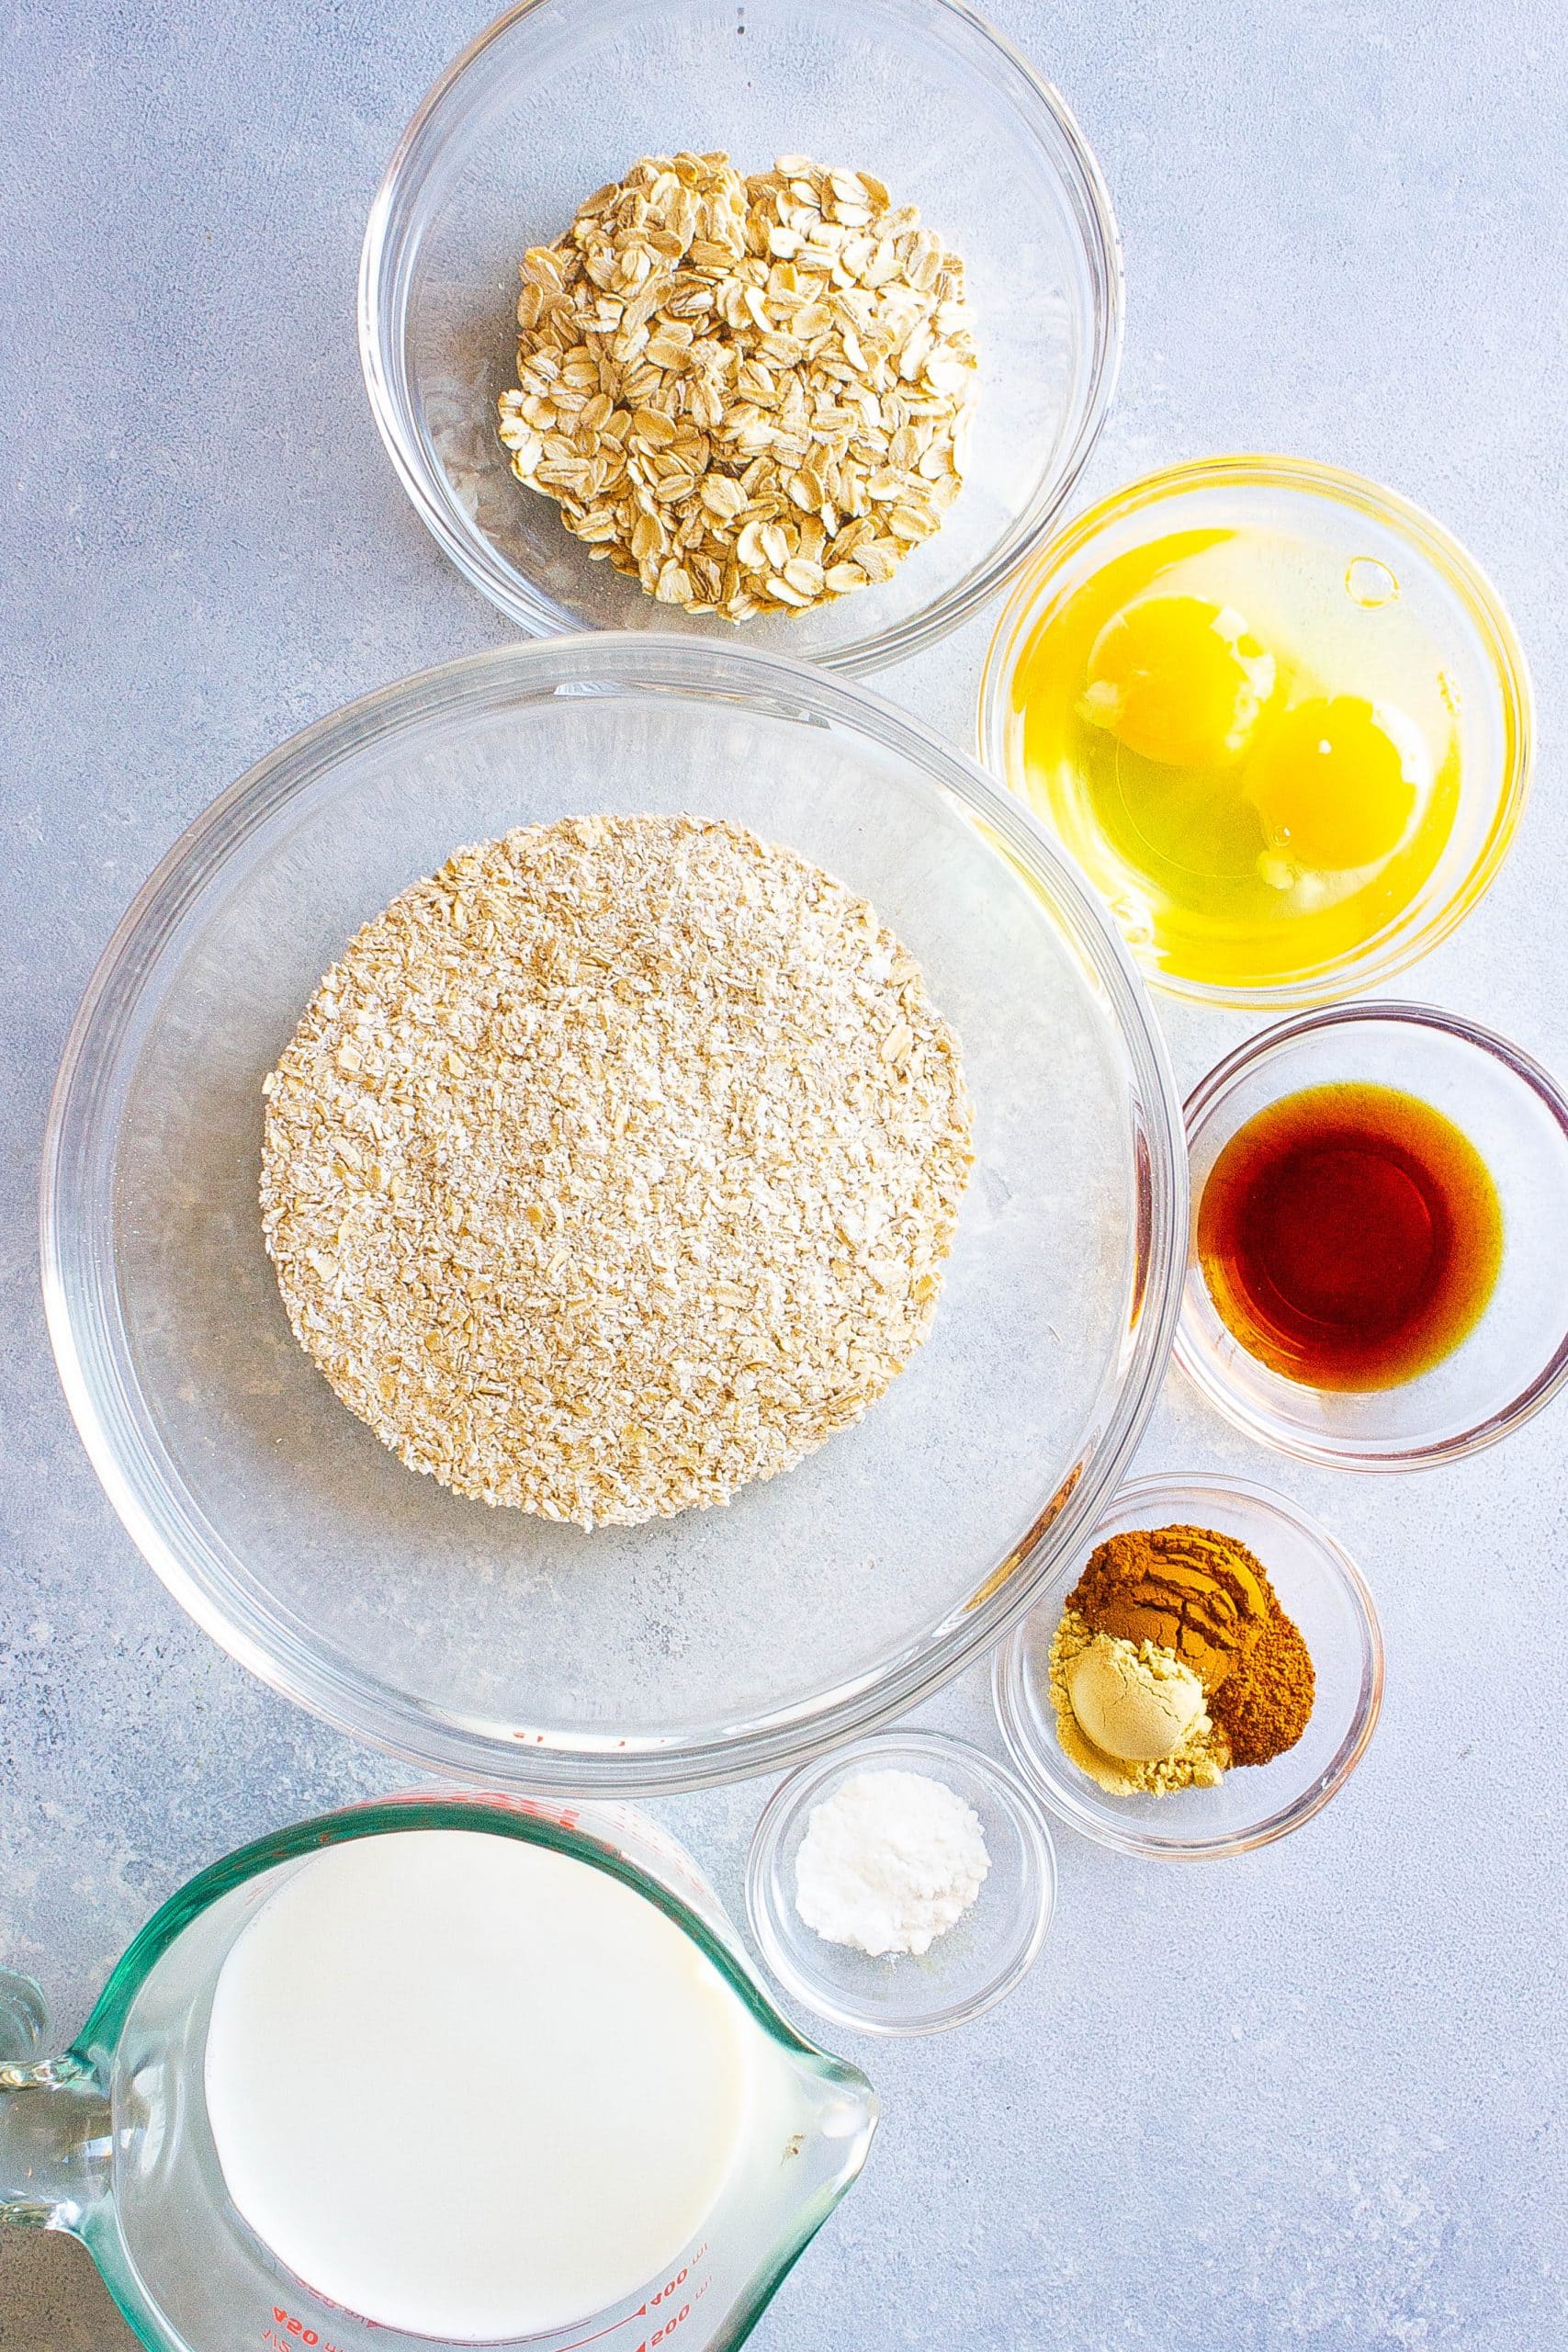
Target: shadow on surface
52, 2299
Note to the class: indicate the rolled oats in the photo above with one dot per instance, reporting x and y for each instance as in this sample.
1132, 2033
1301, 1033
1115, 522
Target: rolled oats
751, 395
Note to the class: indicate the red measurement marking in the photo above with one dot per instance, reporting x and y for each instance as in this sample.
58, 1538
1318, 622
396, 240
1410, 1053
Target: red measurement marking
665, 2293
290, 2334
578, 2341
642, 2311
649, 2342
567, 1816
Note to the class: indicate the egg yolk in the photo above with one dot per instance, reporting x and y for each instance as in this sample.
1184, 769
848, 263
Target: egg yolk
1178, 680
1332, 783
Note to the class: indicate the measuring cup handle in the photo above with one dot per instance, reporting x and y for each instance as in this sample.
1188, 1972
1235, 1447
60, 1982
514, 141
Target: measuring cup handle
24, 2018
54, 2120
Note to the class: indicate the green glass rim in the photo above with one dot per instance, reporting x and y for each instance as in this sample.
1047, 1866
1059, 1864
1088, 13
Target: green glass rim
503, 1816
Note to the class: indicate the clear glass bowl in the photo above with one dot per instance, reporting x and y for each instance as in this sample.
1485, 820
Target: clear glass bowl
559, 96
1516, 1357
1437, 582
1318, 1585
493, 1645
968, 1970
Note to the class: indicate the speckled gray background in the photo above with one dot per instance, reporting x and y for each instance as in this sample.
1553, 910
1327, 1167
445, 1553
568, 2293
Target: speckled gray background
1312, 2098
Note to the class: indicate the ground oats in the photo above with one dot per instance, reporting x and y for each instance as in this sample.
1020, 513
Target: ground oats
614, 1165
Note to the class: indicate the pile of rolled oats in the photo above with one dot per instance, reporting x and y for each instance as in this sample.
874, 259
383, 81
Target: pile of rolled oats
614, 1165
752, 395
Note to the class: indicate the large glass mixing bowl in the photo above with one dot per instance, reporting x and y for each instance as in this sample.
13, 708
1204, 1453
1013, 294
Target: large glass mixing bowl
723, 1642
559, 96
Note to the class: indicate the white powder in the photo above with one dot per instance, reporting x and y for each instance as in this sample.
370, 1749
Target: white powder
889, 1862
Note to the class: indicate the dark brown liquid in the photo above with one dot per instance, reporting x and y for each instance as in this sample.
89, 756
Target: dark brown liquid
1350, 1237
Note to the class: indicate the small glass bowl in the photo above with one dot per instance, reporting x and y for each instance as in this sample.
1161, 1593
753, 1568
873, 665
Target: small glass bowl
1516, 1357
560, 96
966, 1970
1318, 1585
1367, 526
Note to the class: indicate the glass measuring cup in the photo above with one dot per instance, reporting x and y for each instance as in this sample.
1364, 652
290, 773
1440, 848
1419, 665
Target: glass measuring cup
111, 2140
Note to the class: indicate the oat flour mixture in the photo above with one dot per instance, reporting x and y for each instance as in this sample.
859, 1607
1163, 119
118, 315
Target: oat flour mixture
614, 1165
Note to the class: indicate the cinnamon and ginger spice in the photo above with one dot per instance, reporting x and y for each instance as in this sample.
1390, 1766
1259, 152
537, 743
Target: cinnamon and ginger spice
1180, 1627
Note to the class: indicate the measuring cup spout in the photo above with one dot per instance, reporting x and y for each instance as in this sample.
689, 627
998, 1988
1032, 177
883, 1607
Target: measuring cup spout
845, 2111
840, 2112
54, 2120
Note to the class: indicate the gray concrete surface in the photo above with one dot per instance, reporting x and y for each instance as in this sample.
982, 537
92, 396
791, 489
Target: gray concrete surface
1315, 2099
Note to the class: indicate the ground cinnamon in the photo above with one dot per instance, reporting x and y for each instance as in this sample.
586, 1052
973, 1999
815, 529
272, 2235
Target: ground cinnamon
1190, 1589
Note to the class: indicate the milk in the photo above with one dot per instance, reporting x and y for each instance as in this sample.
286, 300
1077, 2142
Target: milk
472, 2088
